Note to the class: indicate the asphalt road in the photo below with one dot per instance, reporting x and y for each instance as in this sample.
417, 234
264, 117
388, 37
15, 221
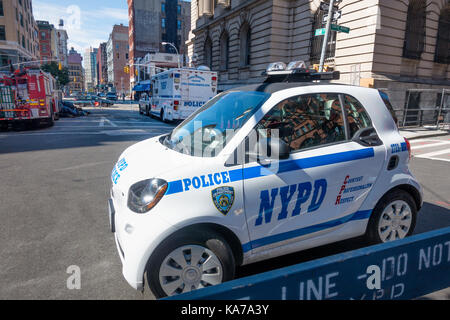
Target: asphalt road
53, 191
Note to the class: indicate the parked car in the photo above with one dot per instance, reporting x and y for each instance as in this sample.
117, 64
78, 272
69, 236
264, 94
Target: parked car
111, 96
259, 172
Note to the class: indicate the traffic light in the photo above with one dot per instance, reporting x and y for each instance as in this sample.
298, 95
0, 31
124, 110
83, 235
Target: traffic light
126, 69
60, 66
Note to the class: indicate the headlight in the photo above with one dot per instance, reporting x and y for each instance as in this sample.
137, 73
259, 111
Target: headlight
144, 195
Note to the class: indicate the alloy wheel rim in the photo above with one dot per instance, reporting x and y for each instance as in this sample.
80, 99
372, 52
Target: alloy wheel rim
395, 221
189, 268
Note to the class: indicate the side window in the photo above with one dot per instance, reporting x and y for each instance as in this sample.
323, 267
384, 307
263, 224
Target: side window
357, 116
306, 121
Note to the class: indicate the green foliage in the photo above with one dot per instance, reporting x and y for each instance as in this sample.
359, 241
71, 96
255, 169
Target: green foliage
61, 76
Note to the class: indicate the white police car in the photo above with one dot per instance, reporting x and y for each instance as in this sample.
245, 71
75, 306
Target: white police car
258, 172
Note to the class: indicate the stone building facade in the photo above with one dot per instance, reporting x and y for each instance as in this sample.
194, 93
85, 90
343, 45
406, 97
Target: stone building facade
392, 44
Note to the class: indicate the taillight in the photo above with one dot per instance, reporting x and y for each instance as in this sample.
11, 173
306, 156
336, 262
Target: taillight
408, 147
214, 78
176, 103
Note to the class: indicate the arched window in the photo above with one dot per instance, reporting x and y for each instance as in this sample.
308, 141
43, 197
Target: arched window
442, 54
245, 45
208, 53
224, 51
317, 42
415, 30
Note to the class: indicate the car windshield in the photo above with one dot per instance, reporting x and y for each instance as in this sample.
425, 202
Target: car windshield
207, 131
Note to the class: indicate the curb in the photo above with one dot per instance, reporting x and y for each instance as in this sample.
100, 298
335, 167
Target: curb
429, 136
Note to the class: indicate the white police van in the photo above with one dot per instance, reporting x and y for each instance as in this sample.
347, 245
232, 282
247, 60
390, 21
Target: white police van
177, 93
259, 172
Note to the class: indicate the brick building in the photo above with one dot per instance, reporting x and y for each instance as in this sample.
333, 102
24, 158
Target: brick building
117, 52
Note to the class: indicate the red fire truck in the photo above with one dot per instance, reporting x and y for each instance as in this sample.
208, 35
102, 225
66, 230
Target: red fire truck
28, 96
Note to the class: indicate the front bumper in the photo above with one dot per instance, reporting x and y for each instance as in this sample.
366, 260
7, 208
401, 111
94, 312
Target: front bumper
136, 237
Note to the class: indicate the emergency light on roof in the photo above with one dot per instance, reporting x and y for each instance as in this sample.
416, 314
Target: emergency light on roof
296, 71
203, 68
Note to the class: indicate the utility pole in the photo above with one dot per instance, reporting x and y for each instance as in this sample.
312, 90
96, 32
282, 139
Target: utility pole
327, 33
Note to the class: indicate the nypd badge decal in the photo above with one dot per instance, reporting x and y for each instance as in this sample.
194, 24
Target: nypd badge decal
223, 199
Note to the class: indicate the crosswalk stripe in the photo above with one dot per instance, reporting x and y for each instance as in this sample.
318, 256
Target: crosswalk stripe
437, 144
433, 154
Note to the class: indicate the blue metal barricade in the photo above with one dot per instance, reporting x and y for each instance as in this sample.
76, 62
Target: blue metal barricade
403, 269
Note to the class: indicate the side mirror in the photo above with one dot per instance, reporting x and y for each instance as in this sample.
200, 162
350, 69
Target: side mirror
270, 149
367, 137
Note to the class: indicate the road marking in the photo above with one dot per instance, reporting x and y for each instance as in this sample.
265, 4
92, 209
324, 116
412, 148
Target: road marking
433, 154
156, 133
437, 144
103, 120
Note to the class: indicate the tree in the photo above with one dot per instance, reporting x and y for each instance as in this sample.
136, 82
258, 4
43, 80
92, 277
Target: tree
62, 76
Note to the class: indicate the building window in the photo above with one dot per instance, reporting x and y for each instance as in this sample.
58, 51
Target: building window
21, 19
415, 30
442, 54
317, 42
178, 9
208, 53
245, 45
178, 24
2, 33
163, 7
2, 13
224, 51
163, 23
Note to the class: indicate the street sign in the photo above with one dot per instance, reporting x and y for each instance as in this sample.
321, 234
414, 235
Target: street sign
320, 32
335, 27
326, 6
336, 16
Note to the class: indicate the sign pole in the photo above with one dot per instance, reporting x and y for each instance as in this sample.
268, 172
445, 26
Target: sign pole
327, 33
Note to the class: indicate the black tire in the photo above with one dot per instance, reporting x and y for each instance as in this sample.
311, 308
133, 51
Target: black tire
204, 238
140, 111
372, 235
161, 115
147, 113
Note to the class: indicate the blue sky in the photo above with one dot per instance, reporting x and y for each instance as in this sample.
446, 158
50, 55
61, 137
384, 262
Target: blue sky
88, 22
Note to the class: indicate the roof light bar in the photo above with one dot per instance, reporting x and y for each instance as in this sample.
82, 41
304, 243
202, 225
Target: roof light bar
296, 71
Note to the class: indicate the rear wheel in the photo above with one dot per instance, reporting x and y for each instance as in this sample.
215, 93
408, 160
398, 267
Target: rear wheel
190, 261
163, 116
394, 218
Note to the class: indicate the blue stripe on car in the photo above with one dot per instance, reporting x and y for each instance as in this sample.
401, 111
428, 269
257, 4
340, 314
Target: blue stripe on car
360, 215
286, 166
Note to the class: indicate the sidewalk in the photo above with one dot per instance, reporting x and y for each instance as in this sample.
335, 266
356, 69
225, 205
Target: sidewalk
423, 132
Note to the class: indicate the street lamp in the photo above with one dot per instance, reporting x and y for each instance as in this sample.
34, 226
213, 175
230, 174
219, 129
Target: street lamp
178, 55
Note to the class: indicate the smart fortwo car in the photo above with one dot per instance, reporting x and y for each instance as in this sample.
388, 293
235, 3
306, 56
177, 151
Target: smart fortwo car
259, 172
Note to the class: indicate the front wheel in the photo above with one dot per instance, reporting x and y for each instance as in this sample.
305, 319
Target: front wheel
188, 262
393, 218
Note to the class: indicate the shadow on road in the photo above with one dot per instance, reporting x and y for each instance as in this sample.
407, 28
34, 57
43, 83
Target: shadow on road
431, 217
85, 131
